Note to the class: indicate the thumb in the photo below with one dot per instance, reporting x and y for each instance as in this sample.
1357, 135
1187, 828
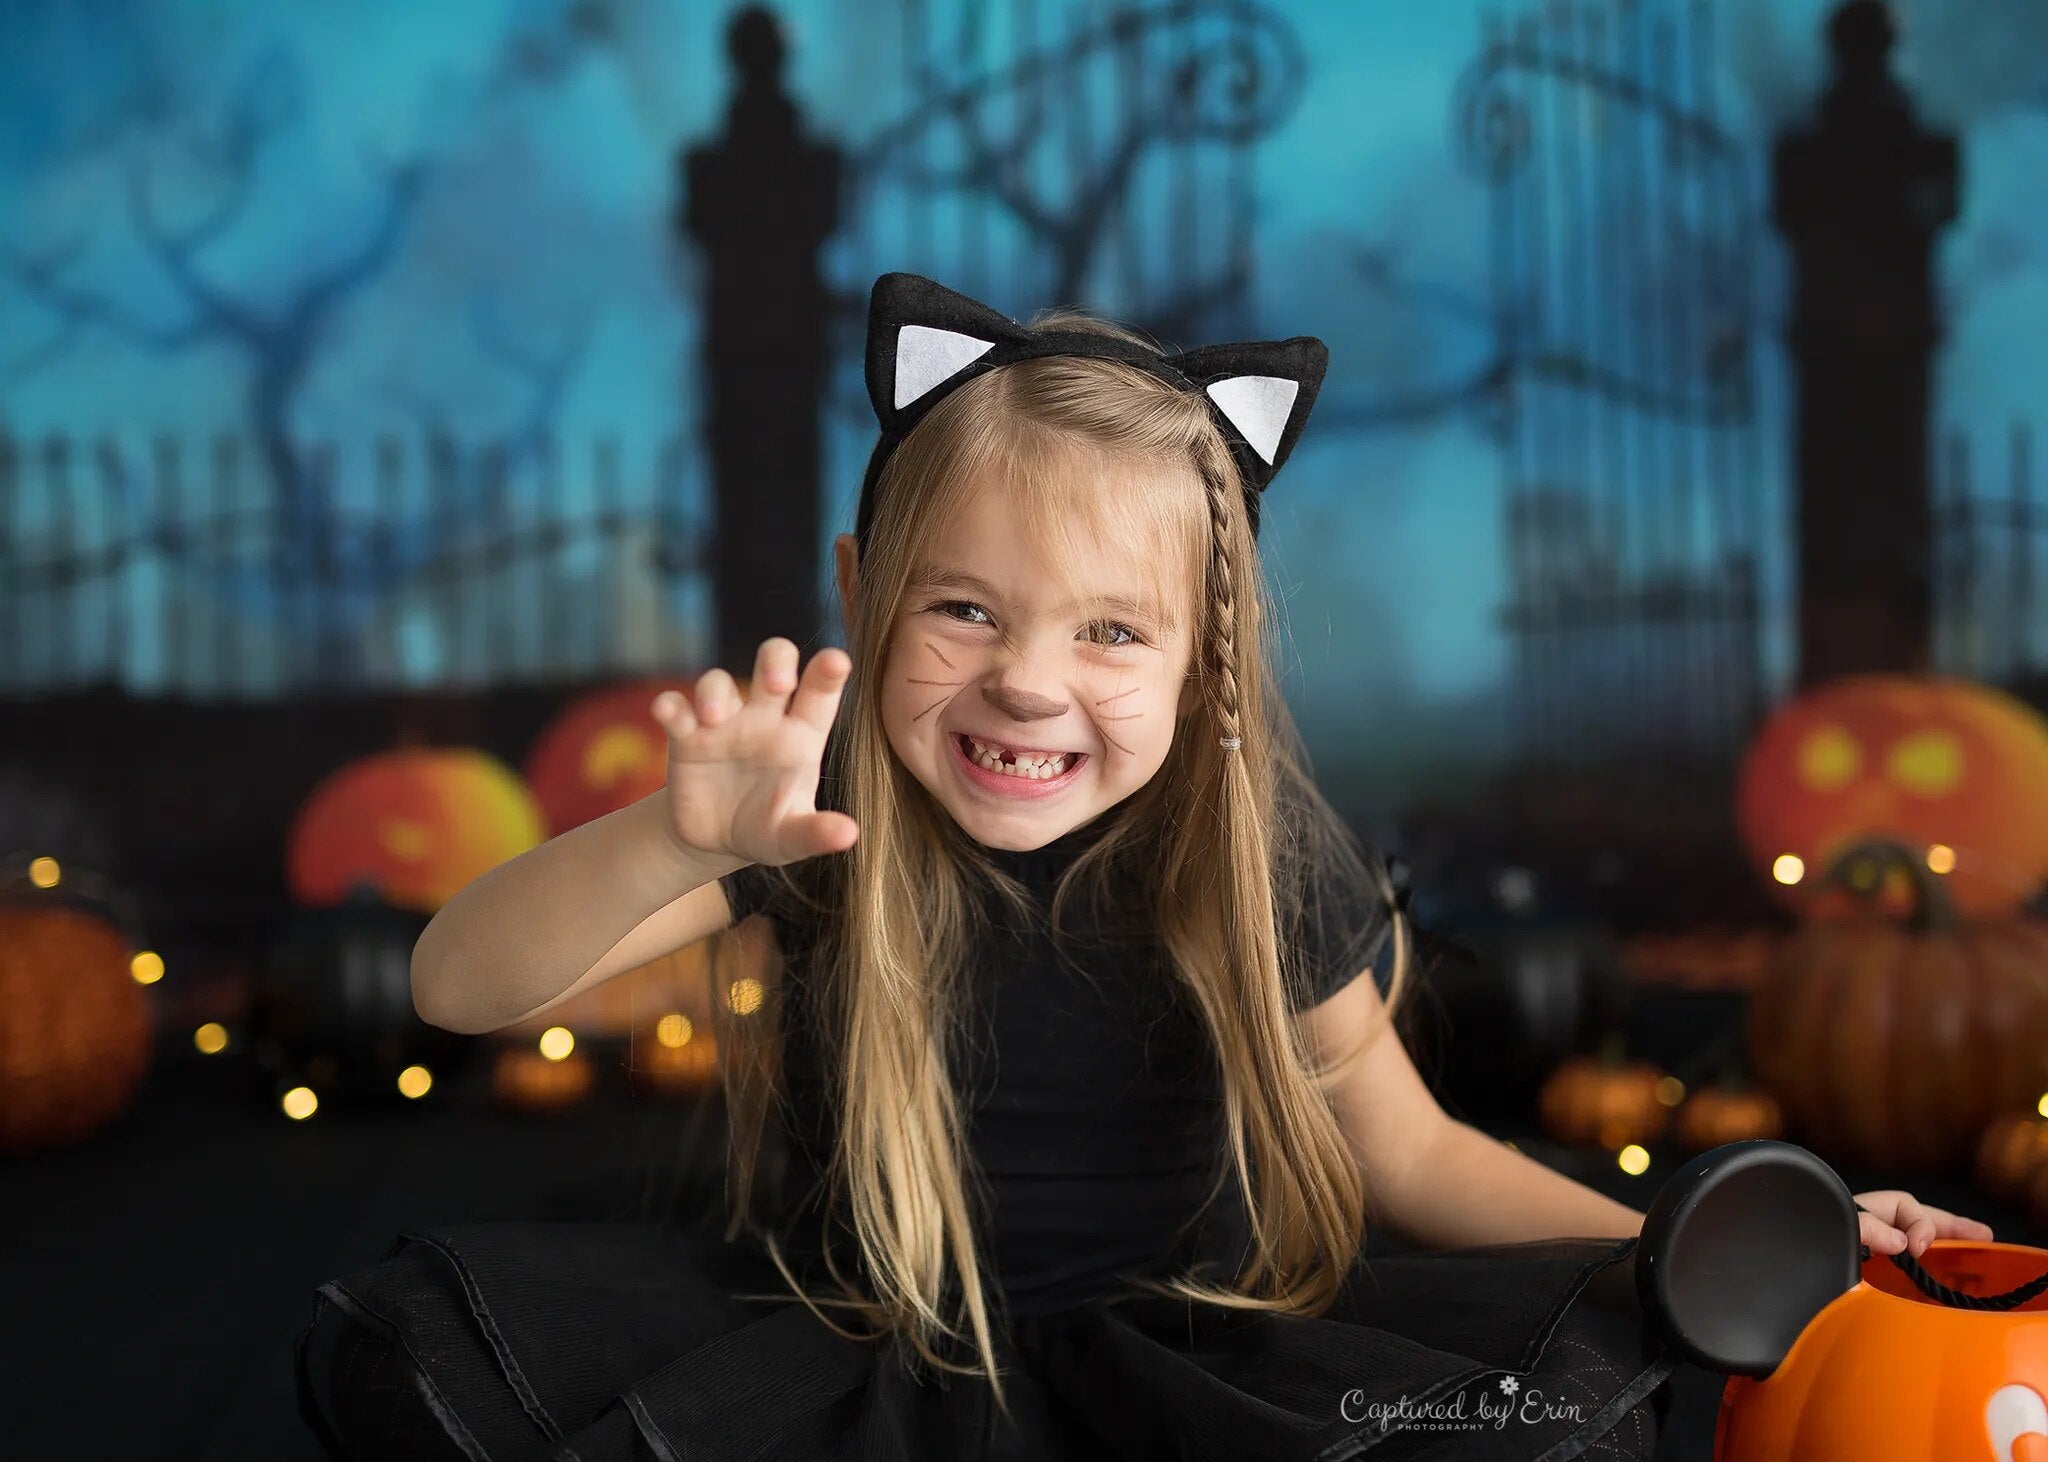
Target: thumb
809, 834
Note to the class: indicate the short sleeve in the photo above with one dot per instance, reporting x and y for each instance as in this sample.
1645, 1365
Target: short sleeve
1344, 929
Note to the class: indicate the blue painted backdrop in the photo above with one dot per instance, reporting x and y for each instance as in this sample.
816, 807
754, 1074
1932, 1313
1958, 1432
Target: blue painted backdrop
533, 279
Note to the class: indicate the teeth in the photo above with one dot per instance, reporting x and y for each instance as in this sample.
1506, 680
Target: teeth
1030, 768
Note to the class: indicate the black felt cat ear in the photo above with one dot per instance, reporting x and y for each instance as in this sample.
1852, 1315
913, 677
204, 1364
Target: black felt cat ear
1741, 1248
1263, 390
921, 336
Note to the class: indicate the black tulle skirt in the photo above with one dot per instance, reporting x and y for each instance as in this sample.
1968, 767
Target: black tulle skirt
607, 1342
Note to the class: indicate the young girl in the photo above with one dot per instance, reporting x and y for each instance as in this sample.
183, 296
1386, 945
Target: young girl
1077, 1031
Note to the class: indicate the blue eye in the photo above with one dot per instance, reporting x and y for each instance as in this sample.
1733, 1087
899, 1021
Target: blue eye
947, 606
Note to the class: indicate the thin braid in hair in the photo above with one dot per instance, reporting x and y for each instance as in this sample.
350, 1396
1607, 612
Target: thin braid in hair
1223, 615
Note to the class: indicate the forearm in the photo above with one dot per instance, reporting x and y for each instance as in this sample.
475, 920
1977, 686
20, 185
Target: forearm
522, 933
1465, 1187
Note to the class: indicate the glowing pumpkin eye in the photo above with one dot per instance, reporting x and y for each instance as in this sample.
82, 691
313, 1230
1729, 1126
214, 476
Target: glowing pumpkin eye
1928, 762
1829, 759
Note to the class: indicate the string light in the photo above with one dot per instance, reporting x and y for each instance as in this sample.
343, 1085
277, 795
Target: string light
1633, 1160
44, 872
415, 1082
674, 1030
212, 1038
556, 1043
1941, 858
299, 1103
1788, 869
147, 967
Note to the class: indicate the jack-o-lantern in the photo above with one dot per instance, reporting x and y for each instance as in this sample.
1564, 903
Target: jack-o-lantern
413, 826
1955, 770
603, 752
1888, 1371
1748, 1265
1893, 1042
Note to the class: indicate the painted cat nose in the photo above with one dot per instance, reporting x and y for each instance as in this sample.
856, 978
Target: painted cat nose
2016, 1422
1022, 705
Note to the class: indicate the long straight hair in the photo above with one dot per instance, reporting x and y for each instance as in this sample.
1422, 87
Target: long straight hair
1237, 846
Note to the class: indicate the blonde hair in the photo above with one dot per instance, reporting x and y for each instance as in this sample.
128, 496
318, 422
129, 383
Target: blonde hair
1238, 843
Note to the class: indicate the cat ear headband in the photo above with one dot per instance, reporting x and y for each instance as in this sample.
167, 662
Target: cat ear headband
924, 341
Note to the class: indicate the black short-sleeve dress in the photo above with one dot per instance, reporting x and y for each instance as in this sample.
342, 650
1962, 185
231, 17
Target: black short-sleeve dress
1096, 1123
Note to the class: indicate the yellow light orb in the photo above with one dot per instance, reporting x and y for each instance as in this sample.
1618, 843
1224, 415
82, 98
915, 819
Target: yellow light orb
1633, 1160
2042, 1105
299, 1103
1789, 868
44, 872
212, 1038
1670, 1091
1941, 858
147, 967
556, 1042
745, 996
674, 1030
415, 1082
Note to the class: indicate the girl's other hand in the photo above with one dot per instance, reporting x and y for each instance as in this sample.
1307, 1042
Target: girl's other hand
1897, 1220
743, 774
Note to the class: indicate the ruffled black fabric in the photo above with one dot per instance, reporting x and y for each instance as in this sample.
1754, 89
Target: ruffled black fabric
1096, 1127
608, 1342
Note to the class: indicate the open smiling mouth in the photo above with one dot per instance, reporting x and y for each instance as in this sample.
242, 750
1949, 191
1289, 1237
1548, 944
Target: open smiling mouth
1018, 773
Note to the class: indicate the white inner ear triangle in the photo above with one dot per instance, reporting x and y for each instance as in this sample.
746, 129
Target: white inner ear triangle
925, 357
1257, 406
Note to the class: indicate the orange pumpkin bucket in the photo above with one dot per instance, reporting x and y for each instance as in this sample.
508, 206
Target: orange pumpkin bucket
1751, 1264
1889, 1371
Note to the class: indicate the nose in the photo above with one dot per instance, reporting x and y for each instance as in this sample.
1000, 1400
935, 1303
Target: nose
1022, 705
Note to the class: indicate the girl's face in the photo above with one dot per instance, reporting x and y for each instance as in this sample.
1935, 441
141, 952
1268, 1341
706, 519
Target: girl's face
1025, 709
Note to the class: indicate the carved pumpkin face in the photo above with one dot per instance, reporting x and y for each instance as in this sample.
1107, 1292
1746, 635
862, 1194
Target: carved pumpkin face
1884, 1371
603, 752
1942, 765
1748, 1265
414, 825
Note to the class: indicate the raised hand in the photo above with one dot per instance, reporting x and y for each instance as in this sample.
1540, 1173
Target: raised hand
743, 774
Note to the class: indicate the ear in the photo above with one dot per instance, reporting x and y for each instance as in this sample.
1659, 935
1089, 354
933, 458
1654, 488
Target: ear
846, 559
920, 336
1741, 1248
1264, 390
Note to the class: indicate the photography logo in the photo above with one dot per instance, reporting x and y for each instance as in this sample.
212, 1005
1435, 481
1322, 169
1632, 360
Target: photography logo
1475, 1406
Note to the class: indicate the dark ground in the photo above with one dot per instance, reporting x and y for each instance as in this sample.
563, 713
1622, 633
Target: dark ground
155, 1276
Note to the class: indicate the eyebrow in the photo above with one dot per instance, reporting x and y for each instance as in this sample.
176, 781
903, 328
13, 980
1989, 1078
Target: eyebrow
941, 578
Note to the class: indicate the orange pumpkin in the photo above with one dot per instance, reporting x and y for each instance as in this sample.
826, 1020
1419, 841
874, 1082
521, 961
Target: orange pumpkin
672, 1058
1603, 1101
415, 826
1893, 1043
1883, 1371
524, 1080
1923, 761
2012, 1152
604, 751
1716, 1115
75, 1038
